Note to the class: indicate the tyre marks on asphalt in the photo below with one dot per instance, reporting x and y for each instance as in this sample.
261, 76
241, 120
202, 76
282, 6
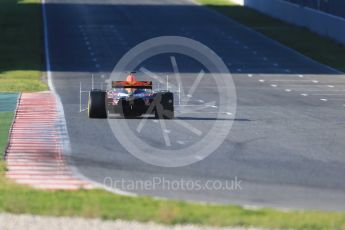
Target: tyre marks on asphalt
89, 46
287, 79
101, 40
35, 150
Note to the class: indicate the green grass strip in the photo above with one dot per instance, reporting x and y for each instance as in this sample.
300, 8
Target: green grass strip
102, 204
21, 46
5, 123
321, 49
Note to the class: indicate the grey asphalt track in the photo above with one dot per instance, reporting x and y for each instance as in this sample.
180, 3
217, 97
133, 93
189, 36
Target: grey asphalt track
286, 145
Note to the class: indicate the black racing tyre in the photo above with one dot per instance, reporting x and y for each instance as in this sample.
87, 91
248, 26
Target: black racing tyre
97, 104
165, 105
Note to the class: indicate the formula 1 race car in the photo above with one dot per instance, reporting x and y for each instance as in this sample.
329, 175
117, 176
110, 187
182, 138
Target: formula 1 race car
131, 98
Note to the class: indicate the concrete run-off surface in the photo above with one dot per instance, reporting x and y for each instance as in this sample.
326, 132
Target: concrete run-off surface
35, 151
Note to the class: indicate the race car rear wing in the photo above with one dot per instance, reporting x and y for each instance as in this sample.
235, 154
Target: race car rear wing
137, 84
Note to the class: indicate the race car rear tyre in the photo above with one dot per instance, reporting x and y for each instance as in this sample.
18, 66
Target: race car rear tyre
96, 104
165, 105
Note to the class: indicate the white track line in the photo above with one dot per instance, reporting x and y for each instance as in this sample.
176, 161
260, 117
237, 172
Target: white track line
60, 106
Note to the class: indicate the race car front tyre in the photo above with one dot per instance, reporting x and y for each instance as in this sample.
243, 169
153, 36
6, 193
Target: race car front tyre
96, 104
165, 105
